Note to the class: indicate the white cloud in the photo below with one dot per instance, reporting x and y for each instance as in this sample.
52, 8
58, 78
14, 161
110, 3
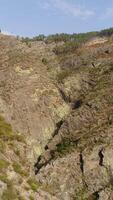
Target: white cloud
68, 8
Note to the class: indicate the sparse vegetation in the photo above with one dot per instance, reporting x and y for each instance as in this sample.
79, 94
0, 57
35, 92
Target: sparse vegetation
63, 74
5, 130
10, 193
81, 194
65, 146
3, 164
31, 198
17, 168
106, 32
73, 103
33, 184
3, 178
7, 134
67, 47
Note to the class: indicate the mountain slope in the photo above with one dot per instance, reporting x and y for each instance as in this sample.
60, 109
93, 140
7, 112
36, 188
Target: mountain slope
59, 105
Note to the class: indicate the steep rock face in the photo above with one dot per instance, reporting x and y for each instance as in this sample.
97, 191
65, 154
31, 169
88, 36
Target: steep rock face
77, 166
60, 109
32, 104
28, 99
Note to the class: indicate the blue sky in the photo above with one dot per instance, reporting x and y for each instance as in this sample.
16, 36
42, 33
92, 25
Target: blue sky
33, 17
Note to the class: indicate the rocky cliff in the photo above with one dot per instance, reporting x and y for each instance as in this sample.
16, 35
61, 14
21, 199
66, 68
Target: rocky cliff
56, 121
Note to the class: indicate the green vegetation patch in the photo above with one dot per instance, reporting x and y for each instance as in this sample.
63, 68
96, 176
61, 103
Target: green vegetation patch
106, 32
81, 195
65, 146
18, 169
4, 178
5, 130
3, 164
2, 146
7, 134
64, 74
34, 184
31, 198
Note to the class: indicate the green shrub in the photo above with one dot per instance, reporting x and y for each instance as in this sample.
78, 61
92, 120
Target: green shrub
17, 168
106, 32
65, 146
34, 184
39, 38
62, 37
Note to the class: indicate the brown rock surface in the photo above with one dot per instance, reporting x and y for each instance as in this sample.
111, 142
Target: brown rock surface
61, 112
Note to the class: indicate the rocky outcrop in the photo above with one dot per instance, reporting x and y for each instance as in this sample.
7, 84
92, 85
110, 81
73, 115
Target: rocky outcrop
59, 143
76, 168
29, 99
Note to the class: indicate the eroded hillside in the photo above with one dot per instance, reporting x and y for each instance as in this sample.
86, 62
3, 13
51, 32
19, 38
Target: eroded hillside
56, 120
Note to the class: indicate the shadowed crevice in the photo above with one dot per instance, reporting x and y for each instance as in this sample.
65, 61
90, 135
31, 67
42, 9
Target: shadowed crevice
81, 160
77, 104
101, 157
63, 95
39, 164
58, 126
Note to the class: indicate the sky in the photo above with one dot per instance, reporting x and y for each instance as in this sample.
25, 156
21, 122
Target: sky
34, 17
